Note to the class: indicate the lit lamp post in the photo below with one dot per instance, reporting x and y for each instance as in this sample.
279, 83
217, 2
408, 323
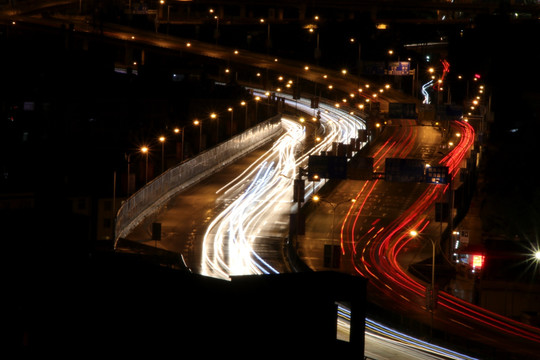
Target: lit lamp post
231, 110
199, 124
215, 116
257, 99
128, 158
216, 31
359, 61
268, 41
244, 103
162, 141
176, 131
431, 301
144, 150
317, 198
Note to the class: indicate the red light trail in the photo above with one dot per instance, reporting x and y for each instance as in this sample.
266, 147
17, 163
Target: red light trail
374, 251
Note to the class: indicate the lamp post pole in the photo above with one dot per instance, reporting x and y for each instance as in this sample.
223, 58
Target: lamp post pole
128, 158
144, 150
162, 140
231, 110
199, 123
430, 302
244, 103
176, 131
215, 116
334, 206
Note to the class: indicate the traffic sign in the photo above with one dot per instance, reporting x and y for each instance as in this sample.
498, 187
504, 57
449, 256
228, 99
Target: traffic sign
360, 168
327, 167
437, 175
404, 170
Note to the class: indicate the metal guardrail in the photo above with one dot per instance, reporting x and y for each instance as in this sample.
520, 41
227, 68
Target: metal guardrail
155, 194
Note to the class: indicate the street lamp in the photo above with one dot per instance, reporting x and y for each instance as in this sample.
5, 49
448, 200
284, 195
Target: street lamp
414, 233
144, 150
176, 131
317, 198
215, 116
128, 158
243, 103
268, 41
197, 122
216, 31
231, 110
257, 99
430, 302
162, 141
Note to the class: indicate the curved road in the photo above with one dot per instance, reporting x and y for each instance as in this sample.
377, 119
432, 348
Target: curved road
373, 242
376, 242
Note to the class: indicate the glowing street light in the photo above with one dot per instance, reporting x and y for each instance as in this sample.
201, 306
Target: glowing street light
244, 103
144, 150
197, 122
231, 110
215, 116
317, 198
177, 131
432, 300
162, 141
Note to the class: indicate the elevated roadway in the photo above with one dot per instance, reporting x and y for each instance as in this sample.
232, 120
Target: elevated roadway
379, 232
374, 236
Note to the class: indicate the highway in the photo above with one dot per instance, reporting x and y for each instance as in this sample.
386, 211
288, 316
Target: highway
214, 224
244, 211
376, 241
241, 194
382, 342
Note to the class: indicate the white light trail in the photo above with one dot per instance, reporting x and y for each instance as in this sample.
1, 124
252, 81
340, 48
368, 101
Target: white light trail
385, 334
427, 100
259, 201
437, 352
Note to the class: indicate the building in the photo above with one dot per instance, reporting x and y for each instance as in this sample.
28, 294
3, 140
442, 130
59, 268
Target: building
122, 303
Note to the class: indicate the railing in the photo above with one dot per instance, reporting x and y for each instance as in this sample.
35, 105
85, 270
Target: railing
155, 194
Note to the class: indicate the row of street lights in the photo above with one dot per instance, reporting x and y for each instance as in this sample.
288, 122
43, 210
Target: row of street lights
145, 149
215, 116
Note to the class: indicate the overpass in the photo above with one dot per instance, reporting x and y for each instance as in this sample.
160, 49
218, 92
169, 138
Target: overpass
344, 87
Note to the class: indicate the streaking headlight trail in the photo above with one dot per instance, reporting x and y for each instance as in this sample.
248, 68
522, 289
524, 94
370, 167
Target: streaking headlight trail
262, 196
420, 349
259, 201
259, 192
424, 91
